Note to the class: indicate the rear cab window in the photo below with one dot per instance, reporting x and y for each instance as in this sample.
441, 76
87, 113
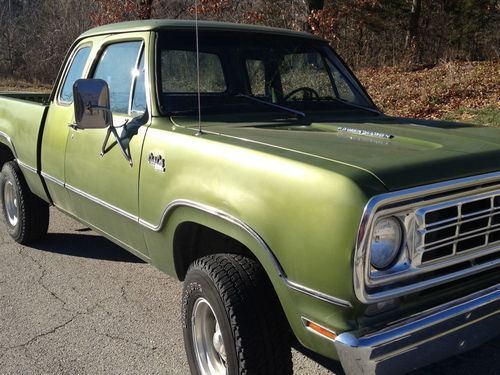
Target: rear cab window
178, 72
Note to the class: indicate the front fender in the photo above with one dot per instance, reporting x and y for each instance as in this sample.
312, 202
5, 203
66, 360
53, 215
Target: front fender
297, 301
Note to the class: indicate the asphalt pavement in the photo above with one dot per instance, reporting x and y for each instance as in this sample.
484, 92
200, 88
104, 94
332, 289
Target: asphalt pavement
75, 303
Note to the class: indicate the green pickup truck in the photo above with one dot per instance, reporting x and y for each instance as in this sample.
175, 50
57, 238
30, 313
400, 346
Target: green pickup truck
290, 206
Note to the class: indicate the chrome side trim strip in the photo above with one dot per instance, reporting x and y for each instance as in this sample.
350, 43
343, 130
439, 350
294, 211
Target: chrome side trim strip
9, 141
110, 237
406, 198
316, 294
27, 167
52, 179
215, 212
212, 211
102, 203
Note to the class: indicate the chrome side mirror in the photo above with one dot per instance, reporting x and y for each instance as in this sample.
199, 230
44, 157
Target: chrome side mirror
91, 102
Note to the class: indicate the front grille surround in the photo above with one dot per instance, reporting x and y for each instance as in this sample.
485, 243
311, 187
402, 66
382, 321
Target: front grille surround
470, 225
452, 231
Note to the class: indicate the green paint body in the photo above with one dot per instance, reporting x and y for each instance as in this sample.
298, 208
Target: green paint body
302, 189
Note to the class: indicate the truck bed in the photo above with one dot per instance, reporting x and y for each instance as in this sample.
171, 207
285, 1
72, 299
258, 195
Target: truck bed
21, 116
38, 97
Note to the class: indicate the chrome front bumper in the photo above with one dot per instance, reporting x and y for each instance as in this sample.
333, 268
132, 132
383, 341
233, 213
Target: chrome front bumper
424, 338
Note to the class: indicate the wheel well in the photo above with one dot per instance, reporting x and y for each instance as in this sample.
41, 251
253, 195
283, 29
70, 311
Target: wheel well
5, 155
193, 241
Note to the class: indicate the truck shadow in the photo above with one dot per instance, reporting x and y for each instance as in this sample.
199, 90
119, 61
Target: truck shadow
334, 366
85, 246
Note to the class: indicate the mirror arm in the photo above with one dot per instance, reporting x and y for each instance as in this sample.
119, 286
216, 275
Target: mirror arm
125, 151
74, 126
103, 147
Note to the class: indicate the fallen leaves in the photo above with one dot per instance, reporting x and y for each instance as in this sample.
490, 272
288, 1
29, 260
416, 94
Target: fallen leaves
434, 92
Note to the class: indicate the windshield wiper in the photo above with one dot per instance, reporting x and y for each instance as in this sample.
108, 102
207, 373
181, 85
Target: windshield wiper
357, 106
277, 106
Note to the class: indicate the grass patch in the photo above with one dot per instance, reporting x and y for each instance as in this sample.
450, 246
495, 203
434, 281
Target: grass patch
489, 116
14, 85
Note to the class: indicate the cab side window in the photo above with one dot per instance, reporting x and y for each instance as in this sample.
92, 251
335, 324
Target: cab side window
74, 72
121, 67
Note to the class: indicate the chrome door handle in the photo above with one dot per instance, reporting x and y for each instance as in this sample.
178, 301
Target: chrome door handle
74, 126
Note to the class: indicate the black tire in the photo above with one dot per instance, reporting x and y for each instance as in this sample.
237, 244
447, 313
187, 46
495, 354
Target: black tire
255, 332
30, 219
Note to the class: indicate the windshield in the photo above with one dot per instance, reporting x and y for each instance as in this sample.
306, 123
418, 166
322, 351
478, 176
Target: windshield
284, 73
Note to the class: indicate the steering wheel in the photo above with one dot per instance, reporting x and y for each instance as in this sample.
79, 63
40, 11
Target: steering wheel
308, 93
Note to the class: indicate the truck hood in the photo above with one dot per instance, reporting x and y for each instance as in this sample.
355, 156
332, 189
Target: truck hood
401, 153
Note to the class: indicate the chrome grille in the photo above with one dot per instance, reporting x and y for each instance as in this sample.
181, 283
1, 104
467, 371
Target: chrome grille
469, 225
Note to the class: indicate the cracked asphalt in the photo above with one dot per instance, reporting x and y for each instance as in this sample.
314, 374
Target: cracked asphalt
77, 304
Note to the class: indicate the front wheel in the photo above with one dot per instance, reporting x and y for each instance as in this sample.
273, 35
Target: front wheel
232, 320
26, 215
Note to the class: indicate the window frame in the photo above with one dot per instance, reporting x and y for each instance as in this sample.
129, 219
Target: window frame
249, 80
322, 46
141, 52
133, 84
67, 68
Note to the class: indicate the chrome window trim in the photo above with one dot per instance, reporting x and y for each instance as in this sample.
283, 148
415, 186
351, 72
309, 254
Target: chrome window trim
133, 84
67, 67
102, 48
221, 214
406, 198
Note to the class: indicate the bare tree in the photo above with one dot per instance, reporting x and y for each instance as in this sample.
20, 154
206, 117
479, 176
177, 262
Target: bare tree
315, 4
35, 34
7, 40
411, 42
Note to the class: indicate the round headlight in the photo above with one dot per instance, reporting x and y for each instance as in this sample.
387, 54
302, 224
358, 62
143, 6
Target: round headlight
386, 242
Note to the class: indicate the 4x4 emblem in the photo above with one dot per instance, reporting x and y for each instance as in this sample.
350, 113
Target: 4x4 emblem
158, 162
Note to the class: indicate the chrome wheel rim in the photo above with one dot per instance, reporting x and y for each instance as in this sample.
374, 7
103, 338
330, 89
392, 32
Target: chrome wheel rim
10, 202
209, 346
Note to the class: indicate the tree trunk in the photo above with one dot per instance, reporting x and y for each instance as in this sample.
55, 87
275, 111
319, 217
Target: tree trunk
412, 34
315, 4
145, 9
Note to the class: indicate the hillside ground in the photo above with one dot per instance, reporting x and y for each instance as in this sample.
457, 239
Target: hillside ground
458, 91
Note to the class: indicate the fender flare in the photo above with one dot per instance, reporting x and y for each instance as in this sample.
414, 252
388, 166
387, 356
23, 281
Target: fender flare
7, 141
180, 211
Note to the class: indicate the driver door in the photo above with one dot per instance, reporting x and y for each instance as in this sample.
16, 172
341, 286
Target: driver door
104, 189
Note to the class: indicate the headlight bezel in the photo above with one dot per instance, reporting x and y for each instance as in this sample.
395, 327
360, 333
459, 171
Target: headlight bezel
408, 275
399, 240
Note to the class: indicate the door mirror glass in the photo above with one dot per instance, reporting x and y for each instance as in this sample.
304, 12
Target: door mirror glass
92, 109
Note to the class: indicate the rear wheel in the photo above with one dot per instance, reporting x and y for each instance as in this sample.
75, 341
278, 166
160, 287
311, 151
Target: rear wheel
26, 215
232, 320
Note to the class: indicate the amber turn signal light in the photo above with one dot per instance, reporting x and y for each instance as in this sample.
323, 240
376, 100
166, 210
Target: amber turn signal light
316, 328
